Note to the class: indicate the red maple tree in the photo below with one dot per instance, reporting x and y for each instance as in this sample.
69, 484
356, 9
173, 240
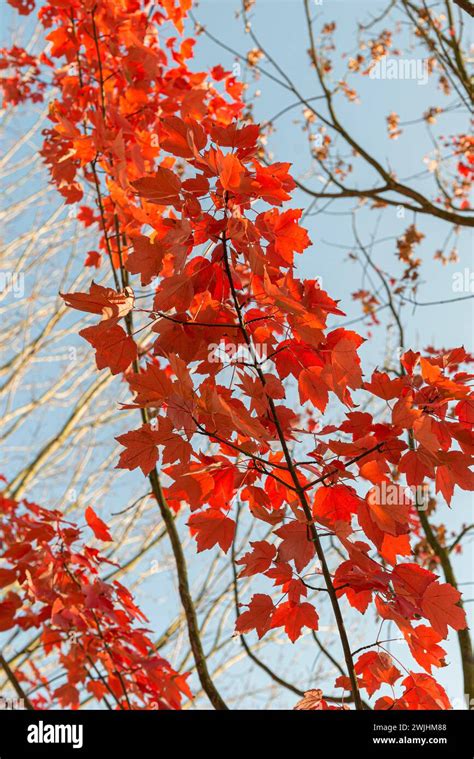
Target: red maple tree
185, 203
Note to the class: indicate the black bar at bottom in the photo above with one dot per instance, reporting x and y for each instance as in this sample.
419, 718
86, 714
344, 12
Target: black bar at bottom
113, 735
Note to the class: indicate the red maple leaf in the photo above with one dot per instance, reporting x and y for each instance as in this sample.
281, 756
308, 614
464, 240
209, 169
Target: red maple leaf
293, 617
146, 258
296, 544
101, 300
423, 643
375, 669
114, 349
335, 504
258, 616
258, 559
440, 605
162, 188
211, 527
98, 527
141, 449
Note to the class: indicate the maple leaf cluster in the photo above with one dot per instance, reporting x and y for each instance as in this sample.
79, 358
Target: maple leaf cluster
90, 628
189, 208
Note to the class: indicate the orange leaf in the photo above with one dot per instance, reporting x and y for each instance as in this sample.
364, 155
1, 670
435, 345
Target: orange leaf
231, 172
